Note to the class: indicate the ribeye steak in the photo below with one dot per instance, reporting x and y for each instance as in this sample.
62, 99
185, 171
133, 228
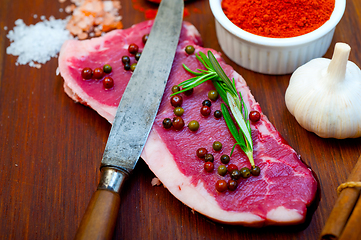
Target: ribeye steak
279, 195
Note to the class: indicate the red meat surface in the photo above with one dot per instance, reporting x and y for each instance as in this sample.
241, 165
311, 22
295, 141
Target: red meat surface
282, 192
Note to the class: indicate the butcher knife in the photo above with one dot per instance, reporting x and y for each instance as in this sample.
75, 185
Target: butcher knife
133, 121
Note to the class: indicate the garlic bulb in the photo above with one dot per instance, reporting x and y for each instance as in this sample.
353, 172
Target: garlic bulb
325, 95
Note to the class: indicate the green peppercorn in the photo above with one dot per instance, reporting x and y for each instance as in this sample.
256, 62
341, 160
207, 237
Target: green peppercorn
222, 170
133, 66
208, 157
178, 111
225, 159
213, 95
236, 174
193, 125
175, 89
217, 146
245, 172
190, 49
217, 114
107, 68
255, 171
167, 123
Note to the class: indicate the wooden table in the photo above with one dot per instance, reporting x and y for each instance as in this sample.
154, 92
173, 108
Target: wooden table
51, 147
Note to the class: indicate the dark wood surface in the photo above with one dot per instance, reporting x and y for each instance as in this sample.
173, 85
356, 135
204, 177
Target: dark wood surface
51, 147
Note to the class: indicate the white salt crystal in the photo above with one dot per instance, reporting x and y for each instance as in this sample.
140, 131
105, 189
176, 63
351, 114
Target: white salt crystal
5, 28
36, 44
35, 16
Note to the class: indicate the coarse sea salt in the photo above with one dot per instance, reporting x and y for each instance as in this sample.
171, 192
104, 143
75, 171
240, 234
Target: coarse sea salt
37, 44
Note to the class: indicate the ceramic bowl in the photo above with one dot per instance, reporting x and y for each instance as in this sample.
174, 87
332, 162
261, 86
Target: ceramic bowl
273, 55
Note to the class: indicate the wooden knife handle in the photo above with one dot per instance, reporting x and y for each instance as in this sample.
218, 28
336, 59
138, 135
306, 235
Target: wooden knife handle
101, 214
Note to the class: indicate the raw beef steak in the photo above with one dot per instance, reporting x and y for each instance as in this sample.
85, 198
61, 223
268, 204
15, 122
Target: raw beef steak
279, 195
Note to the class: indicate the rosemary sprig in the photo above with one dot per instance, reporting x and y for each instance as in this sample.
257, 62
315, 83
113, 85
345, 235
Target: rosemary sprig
228, 92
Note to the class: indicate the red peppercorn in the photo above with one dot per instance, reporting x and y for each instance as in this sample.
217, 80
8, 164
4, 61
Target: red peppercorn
133, 48
221, 185
108, 82
205, 110
176, 100
178, 123
98, 73
231, 167
87, 73
232, 185
254, 116
208, 166
188, 92
201, 152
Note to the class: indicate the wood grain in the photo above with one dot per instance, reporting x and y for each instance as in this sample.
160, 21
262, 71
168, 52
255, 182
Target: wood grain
51, 147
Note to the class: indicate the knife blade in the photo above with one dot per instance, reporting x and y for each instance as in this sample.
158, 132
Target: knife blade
133, 121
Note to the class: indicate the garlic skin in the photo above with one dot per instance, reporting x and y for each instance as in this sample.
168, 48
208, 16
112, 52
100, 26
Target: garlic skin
325, 95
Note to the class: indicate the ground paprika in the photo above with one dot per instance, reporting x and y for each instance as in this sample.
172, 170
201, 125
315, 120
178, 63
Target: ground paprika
278, 18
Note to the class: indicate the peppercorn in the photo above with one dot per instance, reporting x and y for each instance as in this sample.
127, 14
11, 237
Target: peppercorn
205, 111
217, 146
193, 125
208, 157
245, 172
213, 95
87, 73
98, 73
176, 100
208, 166
232, 167
217, 114
178, 111
222, 170
189, 49
178, 123
167, 123
236, 174
255, 171
254, 116
175, 89
221, 185
225, 159
137, 56
107, 68
133, 66
201, 152
188, 92
232, 184
108, 82
207, 103
126, 66
133, 48
125, 59
145, 38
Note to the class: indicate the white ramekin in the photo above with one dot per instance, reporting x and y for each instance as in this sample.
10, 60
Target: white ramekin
273, 55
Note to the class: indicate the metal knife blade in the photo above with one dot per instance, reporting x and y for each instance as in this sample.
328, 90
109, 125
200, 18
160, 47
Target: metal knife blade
133, 121
140, 101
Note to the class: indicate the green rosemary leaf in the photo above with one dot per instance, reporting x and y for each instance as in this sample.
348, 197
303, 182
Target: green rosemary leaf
237, 114
230, 124
193, 72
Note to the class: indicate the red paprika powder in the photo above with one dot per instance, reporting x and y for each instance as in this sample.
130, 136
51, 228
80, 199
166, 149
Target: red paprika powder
278, 18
